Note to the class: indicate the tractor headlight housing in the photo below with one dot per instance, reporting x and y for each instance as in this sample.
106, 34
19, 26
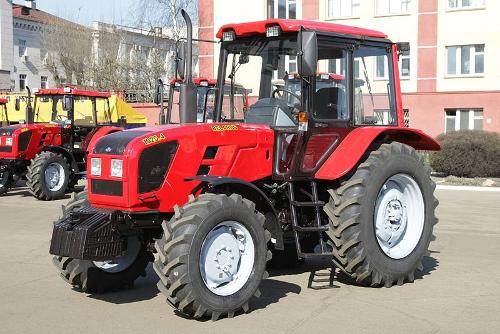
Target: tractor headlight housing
228, 36
95, 166
273, 31
117, 168
8, 141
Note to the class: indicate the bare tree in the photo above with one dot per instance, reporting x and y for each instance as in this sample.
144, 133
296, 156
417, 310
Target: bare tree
164, 13
69, 46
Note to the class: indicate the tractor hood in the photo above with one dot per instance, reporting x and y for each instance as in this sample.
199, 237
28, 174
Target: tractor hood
158, 162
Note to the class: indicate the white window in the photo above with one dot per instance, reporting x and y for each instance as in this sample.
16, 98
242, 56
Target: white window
282, 9
465, 59
392, 7
22, 47
343, 8
337, 66
22, 82
404, 64
459, 4
463, 119
381, 68
43, 82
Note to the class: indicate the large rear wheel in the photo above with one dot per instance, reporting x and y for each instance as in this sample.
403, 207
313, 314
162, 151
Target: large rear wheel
382, 217
212, 256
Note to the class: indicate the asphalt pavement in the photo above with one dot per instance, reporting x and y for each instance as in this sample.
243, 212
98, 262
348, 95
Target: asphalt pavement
458, 291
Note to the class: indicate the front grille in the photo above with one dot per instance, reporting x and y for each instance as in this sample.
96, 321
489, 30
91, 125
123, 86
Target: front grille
116, 143
154, 163
6, 149
24, 140
106, 187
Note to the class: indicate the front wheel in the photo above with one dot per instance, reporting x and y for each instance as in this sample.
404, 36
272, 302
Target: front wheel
102, 276
6, 182
212, 256
381, 218
48, 176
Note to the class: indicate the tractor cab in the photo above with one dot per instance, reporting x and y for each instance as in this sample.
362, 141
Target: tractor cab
4, 117
234, 109
78, 112
313, 112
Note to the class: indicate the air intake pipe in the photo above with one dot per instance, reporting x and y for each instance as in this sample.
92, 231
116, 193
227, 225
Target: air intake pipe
188, 91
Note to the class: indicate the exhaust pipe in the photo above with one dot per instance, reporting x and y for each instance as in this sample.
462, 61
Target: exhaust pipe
188, 91
30, 117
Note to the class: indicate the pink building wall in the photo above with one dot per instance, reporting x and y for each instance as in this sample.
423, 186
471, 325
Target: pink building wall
427, 110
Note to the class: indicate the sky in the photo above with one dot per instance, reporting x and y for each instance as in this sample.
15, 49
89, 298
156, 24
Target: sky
87, 11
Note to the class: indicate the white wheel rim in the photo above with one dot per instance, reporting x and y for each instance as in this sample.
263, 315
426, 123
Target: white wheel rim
226, 258
399, 216
54, 176
123, 262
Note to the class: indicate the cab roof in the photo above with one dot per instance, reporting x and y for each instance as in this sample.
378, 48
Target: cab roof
289, 26
72, 91
197, 81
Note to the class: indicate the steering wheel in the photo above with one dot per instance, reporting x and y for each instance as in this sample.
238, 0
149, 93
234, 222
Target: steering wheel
281, 89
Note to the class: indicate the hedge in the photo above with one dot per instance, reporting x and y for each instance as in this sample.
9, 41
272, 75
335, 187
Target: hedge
468, 154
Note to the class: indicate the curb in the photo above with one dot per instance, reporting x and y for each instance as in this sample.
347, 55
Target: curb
468, 188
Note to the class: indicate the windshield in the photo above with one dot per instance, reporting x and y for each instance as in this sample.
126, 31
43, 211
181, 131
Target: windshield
57, 109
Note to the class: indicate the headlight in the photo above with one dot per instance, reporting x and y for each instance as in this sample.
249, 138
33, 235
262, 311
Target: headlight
273, 31
8, 141
228, 36
116, 167
95, 166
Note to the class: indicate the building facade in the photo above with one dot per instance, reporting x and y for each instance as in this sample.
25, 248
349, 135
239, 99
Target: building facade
449, 78
6, 44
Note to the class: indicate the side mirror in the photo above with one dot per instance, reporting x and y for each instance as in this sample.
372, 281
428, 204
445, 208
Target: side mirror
181, 59
308, 53
18, 103
158, 97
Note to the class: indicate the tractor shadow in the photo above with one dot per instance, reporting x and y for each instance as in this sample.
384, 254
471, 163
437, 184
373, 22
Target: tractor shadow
143, 289
323, 266
272, 291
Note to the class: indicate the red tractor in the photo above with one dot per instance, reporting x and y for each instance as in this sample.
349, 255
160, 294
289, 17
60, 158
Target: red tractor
334, 175
237, 103
50, 149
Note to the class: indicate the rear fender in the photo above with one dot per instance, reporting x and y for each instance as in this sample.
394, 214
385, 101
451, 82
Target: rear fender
65, 153
101, 132
347, 155
222, 185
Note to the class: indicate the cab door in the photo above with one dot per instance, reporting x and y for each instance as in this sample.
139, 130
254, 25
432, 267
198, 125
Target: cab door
300, 152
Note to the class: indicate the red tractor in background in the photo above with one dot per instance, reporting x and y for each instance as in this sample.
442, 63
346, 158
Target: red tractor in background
335, 175
205, 101
50, 148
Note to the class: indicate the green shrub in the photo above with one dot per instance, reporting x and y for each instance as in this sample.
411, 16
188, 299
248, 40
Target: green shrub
468, 154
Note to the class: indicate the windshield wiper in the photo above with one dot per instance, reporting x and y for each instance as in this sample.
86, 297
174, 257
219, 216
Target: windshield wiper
365, 72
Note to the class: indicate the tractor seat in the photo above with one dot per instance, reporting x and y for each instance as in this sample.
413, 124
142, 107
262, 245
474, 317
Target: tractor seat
270, 111
329, 103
